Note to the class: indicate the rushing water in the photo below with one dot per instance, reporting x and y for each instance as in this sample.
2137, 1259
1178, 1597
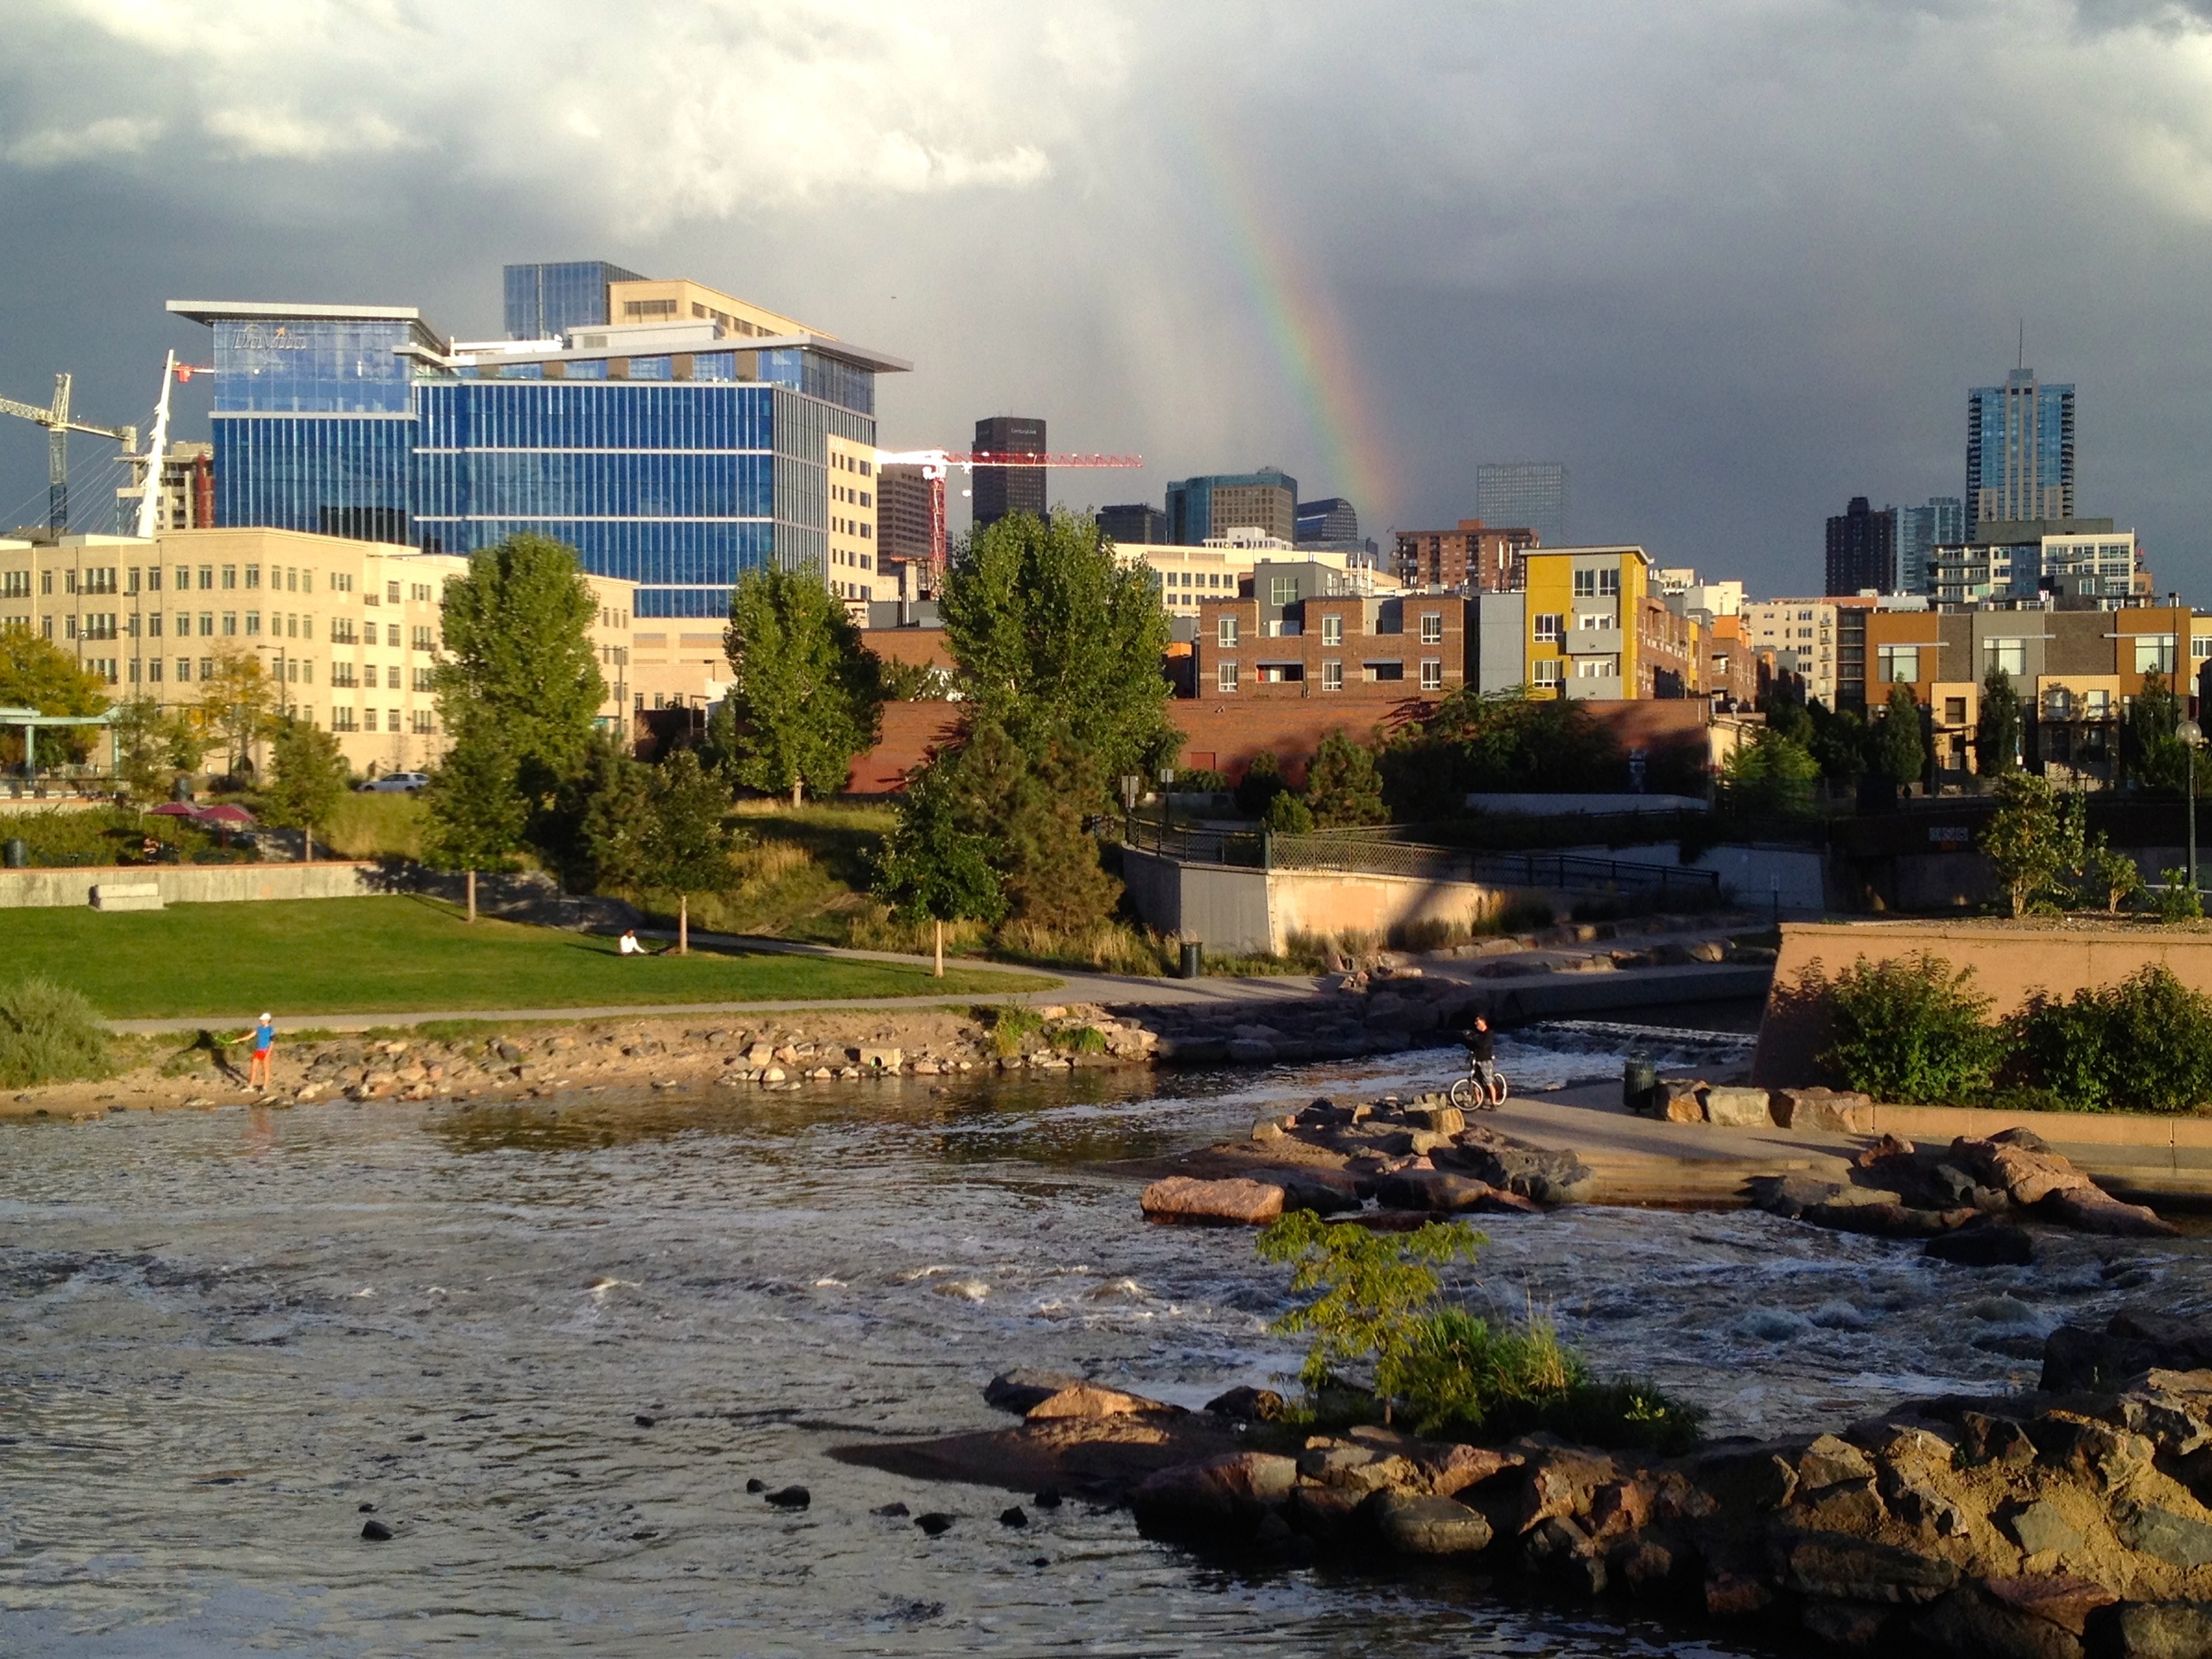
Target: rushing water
225, 1333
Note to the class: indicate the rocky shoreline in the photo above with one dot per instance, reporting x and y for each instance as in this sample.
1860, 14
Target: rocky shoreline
2069, 1523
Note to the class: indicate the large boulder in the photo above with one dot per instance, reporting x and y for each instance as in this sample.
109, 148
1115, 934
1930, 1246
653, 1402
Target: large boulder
2093, 1209
2134, 1339
1738, 1108
1548, 1175
1415, 1525
1983, 1244
2151, 1630
1324, 1191
2020, 1162
1092, 1399
1430, 1190
1833, 1111
1019, 1389
1235, 1489
1219, 1203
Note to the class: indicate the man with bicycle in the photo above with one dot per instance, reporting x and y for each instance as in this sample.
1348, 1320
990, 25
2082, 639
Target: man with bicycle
1482, 1053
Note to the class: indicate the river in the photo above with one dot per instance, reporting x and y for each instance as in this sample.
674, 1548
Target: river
222, 1334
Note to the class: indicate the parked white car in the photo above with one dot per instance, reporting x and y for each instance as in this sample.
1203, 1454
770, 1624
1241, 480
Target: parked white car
396, 783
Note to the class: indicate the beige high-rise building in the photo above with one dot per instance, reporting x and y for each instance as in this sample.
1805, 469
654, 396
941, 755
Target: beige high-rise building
349, 631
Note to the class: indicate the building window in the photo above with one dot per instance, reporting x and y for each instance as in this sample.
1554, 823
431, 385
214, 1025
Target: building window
1597, 668
153, 669
1432, 674
1282, 590
1225, 631
1332, 676
2011, 656
391, 677
1384, 672
391, 719
1955, 711
342, 719
1225, 676
230, 623
1432, 628
421, 719
2097, 704
207, 668
253, 623
184, 668
1898, 664
2153, 653
1332, 630
1550, 624
2058, 704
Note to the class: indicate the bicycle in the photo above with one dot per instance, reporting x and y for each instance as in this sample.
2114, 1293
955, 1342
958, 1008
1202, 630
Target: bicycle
1469, 1095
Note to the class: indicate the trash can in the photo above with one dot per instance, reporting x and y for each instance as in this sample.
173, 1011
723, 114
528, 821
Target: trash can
1640, 1078
19, 853
1193, 959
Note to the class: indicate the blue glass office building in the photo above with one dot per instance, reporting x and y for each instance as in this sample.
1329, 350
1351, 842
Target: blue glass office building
2019, 451
670, 457
545, 301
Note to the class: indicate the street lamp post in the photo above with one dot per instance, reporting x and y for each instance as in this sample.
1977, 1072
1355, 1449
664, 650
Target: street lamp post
2192, 736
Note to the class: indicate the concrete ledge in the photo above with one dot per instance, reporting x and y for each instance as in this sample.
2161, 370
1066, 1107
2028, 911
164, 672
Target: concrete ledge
127, 895
1542, 997
2079, 1129
186, 883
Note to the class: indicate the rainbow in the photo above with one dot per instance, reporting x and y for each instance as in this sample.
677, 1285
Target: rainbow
1305, 333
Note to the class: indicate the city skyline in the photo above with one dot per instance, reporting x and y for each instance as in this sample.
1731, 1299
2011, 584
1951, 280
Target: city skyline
1716, 366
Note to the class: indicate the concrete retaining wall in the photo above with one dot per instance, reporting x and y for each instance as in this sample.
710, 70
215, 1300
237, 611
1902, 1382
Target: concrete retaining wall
1793, 879
1248, 913
2009, 959
190, 884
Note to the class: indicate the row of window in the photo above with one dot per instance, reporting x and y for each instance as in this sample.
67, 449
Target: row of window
2153, 653
106, 624
420, 721
1552, 670
1598, 584
1228, 630
133, 579
1227, 675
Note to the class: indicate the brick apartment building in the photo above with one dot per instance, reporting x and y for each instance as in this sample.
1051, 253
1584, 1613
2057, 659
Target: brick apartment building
1295, 631
1473, 556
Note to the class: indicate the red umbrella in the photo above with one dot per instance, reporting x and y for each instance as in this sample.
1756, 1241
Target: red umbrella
225, 813
174, 809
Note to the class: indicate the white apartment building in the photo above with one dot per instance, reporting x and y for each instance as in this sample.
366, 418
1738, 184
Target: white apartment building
1802, 633
347, 631
1187, 576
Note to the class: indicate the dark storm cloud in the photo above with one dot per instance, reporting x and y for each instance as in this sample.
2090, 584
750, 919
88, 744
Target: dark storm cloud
1734, 262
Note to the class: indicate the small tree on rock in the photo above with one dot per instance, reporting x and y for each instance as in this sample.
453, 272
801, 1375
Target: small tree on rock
805, 695
686, 847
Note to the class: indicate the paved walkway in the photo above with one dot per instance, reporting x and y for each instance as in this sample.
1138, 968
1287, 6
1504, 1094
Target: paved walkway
1624, 988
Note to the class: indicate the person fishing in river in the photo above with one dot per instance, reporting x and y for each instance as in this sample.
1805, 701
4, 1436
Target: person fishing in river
259, 1068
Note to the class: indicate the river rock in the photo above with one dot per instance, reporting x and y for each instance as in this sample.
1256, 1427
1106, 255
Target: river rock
2171, 1630
1021, 1388
1983, 1244
1247, 1404
1251, 1051
1324, 1191
790, 1498
1967, 1621
2133, 1342
2093, 1209
1550, 1176
1430, 1189
2020, 1162
1090, 1400
1678, 1100
1738, 1108
1887, 1220
1833, 1111
1414, 1525
1231, 1203
1236, 1489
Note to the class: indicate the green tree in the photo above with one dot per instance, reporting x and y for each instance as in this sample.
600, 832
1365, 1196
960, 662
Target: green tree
1771, 773
143, 738
2150, 753
34, 673
237, 706
612, 805
1480, 742
935, 865
806, 695
1261, 782
915, 682
1343, 786
1909, 1030
521, 664
2108, 878
687, 844
1838, 744
309, 776
1288, 814
1899, 753
1062, 645
1997, 727
2033, 841
476, 810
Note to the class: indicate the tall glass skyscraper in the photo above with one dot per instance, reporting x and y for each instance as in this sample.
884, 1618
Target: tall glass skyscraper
1523, 494
2019, 451
545, 301
1920, 531
667, 454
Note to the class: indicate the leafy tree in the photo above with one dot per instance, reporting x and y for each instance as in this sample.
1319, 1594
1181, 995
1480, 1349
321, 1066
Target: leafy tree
2108, 878
310, 777
143, 740
2150, 753
1375, 1289
1061, 645
1771, 773
934, 865
1343, 787
237, 706
1911, 1030
612, 803
476, 810
806, 694
1482, 742
520, 665
1785, 711
2033, 840
1838, 744
915, 682
1997, 727
1288, 814
1899, 753
1261, 782
687, 846
34, 673
2142, 1045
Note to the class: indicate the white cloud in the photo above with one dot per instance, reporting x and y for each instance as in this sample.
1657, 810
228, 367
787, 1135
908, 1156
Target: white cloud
58, 146
260, 135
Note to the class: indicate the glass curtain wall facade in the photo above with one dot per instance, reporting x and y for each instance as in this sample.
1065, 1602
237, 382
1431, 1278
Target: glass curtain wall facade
1525, 495
676, 472
2019, 451
545, 301
1920, 531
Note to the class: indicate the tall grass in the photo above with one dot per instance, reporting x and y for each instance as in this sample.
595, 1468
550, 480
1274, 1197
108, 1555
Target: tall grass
50, 1035
374, 826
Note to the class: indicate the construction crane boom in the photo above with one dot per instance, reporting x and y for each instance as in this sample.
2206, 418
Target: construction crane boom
59, 424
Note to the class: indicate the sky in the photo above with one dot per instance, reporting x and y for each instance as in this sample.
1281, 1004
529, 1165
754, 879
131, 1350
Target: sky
1733, 262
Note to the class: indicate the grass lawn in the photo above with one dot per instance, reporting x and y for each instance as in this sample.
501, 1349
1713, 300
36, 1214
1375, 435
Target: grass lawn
406, 954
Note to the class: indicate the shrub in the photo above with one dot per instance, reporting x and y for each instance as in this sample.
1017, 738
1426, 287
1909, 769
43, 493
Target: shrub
1010, 1025
1911, 1030
49, 1035
1287, 815
2177, 900
1375, 1289
2142, 1045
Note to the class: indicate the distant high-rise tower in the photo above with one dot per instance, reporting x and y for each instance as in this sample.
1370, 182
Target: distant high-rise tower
1216, 503
1532, 493
1862, 549
2019, 451
1137, 522
1001, 491
1920, 531
905, 515
546, 301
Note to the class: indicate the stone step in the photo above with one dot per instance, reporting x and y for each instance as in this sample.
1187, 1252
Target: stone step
127, 895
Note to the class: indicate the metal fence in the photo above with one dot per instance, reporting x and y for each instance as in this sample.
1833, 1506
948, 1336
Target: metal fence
1370, 855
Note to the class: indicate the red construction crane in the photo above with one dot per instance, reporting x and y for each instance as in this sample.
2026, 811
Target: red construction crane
935, 463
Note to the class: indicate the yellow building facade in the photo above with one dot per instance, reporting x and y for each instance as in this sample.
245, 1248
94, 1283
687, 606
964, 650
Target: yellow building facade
1582, 638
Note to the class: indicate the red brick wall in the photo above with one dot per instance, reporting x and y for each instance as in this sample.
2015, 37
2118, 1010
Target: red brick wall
924, 648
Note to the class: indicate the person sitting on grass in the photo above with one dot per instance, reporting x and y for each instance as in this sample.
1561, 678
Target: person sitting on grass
629, 947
